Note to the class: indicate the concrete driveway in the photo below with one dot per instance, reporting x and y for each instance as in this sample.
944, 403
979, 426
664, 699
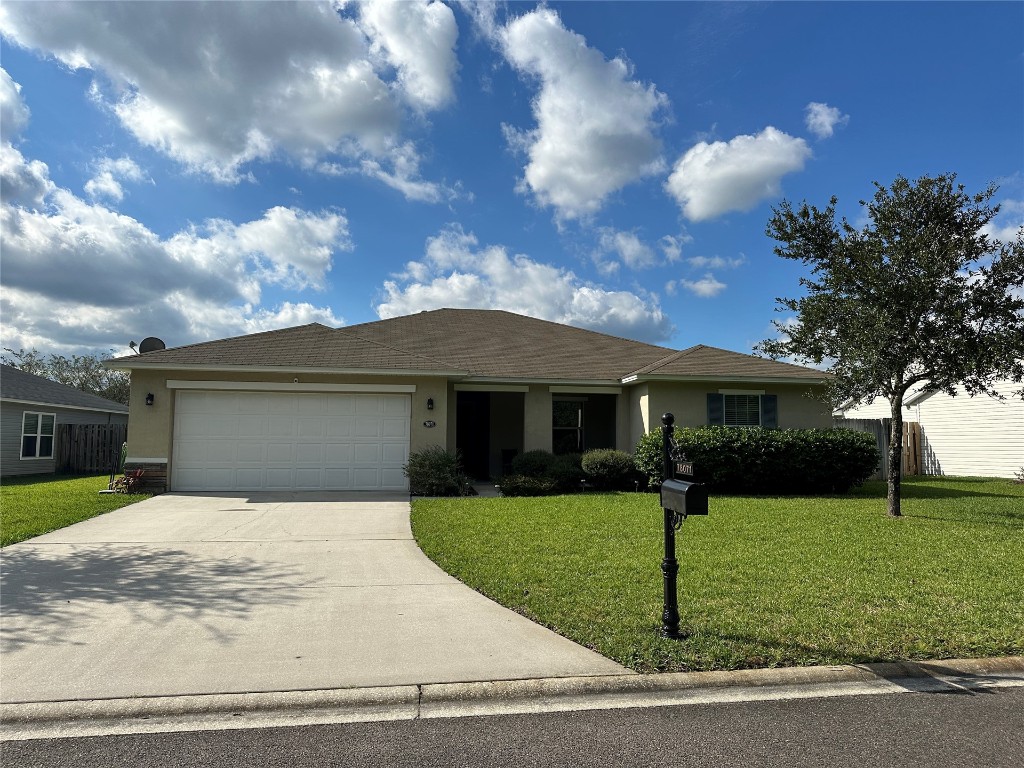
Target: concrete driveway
193, 594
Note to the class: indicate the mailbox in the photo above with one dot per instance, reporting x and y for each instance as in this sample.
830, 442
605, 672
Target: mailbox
684, 498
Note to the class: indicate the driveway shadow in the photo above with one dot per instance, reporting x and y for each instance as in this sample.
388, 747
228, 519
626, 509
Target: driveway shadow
41, 594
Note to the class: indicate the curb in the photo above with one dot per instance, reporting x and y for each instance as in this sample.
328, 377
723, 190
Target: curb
63, 719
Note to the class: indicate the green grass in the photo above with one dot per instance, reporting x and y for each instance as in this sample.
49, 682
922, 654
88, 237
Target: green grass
32, 506
763, 581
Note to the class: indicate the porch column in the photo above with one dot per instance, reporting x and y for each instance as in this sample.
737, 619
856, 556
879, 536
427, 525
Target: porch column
537, 419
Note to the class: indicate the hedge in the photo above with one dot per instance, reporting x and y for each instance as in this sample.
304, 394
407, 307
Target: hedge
435, 471
609, 470
759, 460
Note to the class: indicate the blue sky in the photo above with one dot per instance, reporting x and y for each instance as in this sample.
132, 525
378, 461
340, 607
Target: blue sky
196, 171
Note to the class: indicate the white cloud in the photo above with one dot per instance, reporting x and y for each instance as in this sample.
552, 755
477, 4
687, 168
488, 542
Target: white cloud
712, 179
707, 287
79, 276
13, 112
418, 40
595, 126
627, 247
457, 272
821, 119
250, 82
1007, 224
109, 174
404, 176
716, 262
672, 246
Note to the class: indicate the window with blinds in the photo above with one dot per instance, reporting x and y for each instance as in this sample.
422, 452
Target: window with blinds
742, 410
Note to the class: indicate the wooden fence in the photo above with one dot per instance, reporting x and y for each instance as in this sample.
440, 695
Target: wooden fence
911, 464
89, 448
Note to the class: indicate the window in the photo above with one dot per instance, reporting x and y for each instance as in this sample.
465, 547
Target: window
37, 435
567, 426
743, 409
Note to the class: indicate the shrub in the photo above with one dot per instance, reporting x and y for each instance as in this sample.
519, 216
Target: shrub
757, 460
608, 469
436, 472
522, 485
567, 472
533, 463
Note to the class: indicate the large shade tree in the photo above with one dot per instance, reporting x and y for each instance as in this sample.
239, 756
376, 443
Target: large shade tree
83, 372
921, 296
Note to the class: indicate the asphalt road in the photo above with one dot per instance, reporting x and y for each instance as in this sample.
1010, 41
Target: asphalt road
905, 730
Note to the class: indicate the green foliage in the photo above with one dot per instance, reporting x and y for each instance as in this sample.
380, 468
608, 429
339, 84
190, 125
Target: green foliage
559, 474
83, 372
921, 294
523, 485
763, 582
533, 463
767, 461
435, 471
608, 469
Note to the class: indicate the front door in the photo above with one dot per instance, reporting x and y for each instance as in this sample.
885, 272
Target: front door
473, 432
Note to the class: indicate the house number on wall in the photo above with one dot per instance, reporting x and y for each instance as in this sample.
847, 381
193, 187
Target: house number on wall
429, 424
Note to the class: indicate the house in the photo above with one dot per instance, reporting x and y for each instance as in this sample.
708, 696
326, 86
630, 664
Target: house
324, 408
979, 436
31, 411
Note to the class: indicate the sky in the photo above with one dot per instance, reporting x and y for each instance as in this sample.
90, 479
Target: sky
196, 171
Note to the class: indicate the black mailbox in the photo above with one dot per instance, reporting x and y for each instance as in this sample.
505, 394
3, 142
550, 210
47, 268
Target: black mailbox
684, 498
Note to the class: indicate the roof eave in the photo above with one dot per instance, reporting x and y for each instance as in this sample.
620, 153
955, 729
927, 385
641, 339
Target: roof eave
717, 378
289, 369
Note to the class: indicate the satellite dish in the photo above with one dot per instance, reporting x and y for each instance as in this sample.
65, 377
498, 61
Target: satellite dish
151, 344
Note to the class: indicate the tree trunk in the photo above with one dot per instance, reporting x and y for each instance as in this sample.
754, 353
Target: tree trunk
895, 456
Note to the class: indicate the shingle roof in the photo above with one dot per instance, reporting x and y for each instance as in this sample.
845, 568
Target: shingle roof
15, 384
475, 342
305, 346
703, 360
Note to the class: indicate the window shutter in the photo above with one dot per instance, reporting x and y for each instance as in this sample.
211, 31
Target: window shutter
716, 409
769, 411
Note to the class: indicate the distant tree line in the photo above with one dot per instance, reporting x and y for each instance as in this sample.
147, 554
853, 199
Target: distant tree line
83, 372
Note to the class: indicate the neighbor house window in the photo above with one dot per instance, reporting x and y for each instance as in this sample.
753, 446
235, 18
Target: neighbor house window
37, 435
742, 409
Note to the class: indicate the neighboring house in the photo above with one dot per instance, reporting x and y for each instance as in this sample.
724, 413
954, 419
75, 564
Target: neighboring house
32, 408
319, 408
961, 435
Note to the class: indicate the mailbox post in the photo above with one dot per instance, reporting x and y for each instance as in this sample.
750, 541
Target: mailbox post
679, 498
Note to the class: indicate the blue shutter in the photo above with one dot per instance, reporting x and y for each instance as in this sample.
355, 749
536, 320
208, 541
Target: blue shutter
716, 409
769, 411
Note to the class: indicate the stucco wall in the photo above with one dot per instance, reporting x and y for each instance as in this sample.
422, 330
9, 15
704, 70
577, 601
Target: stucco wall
537, 418
687, 401
152, 426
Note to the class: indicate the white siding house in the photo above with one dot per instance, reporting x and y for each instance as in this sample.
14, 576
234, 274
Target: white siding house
961, 435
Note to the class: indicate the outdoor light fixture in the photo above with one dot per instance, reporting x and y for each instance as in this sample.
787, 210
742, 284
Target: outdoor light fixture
430, 403
149, 398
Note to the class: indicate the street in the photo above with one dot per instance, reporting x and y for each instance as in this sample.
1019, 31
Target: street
921, 729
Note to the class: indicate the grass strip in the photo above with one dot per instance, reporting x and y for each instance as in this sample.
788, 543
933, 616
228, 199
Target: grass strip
32, 506
763, 581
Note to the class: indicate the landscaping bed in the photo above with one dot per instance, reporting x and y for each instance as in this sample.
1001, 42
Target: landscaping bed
34, 505
762, 582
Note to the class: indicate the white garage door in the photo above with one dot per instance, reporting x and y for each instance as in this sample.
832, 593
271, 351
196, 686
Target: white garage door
253, 441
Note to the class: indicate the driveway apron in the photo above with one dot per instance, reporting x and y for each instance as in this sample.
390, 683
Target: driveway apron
193, 594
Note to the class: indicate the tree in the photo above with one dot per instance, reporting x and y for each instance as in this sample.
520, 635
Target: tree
919, 296
83, 372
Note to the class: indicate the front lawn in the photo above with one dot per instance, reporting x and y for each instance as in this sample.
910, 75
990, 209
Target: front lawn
32, 506
762, 581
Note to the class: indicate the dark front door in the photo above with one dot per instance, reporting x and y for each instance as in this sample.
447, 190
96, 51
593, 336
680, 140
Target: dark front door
473, 432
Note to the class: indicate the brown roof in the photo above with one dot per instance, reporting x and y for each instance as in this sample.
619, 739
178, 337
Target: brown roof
475, 342
702, 360
305, 346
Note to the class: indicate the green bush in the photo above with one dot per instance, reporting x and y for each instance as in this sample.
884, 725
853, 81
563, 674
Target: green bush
608, 469
758, 460
533, 463
522, 485
567, 472
436, 472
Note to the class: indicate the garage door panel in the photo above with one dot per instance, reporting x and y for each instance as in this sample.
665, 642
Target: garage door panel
395, 428
278, 441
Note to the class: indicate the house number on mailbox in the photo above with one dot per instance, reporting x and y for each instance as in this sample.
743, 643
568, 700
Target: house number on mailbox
429, 424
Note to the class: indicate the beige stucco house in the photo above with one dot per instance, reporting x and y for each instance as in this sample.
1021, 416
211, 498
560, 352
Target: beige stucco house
318, 408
